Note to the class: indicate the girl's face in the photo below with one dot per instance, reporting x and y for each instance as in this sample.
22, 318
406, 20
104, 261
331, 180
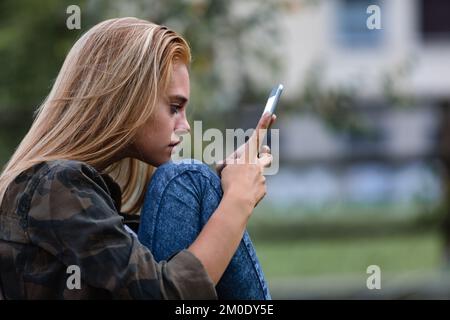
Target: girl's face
155, 141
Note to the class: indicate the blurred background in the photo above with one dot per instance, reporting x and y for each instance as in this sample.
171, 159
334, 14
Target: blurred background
364, 125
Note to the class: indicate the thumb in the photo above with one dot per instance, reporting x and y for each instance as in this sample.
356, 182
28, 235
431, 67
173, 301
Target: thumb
265, 160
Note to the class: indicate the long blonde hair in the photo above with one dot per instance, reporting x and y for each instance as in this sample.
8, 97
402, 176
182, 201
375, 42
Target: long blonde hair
106, 89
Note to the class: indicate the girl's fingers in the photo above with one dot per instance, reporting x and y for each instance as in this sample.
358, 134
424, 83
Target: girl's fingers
265, 160
265, 149
274, 118
265, 120
255, 141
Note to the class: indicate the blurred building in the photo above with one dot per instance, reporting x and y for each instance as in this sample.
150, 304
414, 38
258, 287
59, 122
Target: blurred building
415, 34
408, 58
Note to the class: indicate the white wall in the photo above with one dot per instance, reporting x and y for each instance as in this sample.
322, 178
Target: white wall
309, 37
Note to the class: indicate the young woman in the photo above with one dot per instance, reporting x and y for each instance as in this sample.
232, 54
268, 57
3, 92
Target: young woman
115, 113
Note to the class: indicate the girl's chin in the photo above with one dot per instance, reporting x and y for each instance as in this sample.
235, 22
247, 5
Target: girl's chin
160, 160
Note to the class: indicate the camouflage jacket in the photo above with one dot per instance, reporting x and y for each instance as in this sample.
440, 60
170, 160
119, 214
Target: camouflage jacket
63, 213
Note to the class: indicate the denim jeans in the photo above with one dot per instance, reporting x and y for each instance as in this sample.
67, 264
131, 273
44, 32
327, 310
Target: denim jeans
180, 199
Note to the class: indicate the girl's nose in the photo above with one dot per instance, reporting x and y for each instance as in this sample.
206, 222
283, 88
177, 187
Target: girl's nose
183, 128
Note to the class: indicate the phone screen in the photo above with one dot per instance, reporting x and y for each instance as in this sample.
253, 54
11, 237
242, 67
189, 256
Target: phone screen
273, 99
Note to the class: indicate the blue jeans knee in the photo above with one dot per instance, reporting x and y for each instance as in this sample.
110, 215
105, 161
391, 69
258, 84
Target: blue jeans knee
179, 201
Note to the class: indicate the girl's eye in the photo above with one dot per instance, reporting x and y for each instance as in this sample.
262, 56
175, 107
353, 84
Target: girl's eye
175, 108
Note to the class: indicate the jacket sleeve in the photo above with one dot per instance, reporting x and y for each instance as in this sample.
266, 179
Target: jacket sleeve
73, 217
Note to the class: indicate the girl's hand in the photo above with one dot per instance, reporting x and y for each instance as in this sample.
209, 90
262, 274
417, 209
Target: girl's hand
243, 187
242, 172
265, 122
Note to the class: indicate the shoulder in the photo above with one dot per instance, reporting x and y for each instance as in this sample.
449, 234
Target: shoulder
53, 167
49, 169
59, 175
64, 179
27, 181
78, 178
56, 190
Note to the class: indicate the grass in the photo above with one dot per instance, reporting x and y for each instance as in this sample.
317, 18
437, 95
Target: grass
322, 257
325, 255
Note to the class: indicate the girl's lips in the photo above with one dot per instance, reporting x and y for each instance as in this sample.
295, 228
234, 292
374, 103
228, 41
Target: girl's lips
173, 144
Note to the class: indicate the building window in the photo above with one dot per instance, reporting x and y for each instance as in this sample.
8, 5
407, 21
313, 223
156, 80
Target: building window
351, 24
435, 20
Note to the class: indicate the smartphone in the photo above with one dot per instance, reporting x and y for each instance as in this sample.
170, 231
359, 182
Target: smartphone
274, 96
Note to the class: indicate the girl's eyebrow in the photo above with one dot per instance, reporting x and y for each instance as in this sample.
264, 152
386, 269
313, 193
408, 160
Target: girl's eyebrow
179, 98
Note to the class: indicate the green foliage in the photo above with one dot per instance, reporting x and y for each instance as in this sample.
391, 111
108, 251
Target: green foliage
33, 43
